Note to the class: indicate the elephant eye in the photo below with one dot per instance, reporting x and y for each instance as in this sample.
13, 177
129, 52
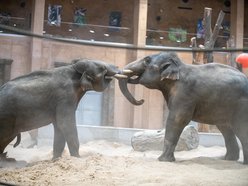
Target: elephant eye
147, 60
164, 66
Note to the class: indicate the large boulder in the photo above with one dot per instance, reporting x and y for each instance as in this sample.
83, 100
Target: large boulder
154, 140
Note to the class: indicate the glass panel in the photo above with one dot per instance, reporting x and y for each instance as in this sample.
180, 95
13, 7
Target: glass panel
174, 23
99, 20
16, 14
90, 32
89, 109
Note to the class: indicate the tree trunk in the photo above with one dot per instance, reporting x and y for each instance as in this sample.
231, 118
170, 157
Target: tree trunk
210, 38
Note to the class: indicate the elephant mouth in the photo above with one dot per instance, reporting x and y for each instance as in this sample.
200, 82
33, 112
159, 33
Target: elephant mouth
134, 79
131, 76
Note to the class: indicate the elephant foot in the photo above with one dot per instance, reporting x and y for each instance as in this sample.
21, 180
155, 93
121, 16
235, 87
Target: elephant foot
12, 163
166, 158
56, 157
231, 156
245, 162
6, 162
76, 155
4, 158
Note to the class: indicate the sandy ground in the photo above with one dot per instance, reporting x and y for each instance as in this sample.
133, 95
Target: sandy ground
109, 163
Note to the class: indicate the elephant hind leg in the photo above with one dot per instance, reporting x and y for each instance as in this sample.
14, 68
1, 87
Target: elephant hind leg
245, 151
232, 147
242, 135
244, 142
4, 141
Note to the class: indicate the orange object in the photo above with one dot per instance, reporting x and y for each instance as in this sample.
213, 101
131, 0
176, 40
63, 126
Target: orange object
243, 60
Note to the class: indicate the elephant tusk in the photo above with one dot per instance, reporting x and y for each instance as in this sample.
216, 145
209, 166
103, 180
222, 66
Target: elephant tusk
121, 76
108, 77
127, 71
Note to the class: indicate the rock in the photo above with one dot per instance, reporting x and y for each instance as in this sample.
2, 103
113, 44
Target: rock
154, 140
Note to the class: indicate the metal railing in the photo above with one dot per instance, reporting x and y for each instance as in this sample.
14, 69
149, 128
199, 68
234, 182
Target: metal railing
117, 45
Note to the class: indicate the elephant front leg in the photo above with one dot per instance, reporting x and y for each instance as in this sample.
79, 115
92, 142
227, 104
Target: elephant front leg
172, 133
58, 143
66, 123
171, 138
72, 140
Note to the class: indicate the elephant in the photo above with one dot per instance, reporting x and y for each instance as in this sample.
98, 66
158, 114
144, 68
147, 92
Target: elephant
50, 96
213, 93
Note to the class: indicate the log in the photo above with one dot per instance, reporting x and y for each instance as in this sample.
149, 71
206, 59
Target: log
230, 58
208, 56
217, 28
154, 140
210, 37
197, 57
193, 45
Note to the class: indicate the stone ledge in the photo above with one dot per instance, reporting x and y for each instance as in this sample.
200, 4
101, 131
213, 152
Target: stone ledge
123, 135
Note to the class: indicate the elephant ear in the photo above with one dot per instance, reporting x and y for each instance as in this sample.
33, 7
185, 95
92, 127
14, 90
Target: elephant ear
169, 70
80, 65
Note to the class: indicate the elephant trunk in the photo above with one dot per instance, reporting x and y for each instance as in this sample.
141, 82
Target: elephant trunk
123, 86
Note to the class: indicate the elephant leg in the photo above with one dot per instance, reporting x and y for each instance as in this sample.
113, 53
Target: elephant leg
241, 133
4, 143
244, 143
58, 143
232, 147
66, 123
6, 134
71, 137
173, 131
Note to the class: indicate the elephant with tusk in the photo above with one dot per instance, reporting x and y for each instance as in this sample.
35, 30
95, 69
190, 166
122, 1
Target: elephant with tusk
51, 96
213, 93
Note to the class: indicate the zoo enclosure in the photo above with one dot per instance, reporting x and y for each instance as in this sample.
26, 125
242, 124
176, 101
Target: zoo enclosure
118, 44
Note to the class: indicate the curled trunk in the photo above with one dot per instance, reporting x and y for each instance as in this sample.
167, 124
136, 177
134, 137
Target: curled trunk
127, 94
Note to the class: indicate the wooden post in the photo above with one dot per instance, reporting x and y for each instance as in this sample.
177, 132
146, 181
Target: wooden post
217, 28
230, 58
210, 37
193, 45
209, 41
208, 57
197, 57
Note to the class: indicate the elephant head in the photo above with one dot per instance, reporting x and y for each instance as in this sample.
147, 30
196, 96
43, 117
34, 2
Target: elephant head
95, 75
152, 71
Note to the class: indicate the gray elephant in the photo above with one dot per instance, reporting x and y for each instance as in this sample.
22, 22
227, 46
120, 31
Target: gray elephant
43, 97
213, 93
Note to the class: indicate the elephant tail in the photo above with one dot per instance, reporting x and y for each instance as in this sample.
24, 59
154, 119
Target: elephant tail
18, 140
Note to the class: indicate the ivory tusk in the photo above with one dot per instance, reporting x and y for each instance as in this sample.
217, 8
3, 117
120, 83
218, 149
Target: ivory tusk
120, 76
127, 71
108, 77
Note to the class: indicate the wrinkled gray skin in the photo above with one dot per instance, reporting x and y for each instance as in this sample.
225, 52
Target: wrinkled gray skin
212, 93
43, 97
